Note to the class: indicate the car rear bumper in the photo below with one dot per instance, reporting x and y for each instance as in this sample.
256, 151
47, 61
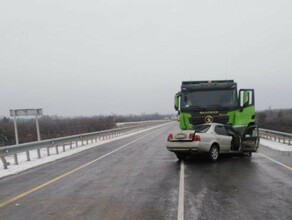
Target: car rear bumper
187, 147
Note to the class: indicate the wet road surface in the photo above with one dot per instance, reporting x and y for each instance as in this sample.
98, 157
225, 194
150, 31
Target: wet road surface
137, 178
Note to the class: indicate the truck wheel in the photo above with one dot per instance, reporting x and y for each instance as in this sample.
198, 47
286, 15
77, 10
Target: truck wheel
249, 154
180, 156
214, 153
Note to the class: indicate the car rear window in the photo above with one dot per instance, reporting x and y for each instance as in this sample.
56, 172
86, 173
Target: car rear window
201, 128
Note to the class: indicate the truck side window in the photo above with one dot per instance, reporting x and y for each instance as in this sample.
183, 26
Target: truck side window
219, 129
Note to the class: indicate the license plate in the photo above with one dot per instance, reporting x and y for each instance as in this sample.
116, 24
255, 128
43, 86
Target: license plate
180, 136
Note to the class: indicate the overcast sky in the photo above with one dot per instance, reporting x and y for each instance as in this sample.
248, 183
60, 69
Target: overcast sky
92, 57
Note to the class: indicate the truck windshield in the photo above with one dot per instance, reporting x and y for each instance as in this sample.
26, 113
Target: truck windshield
209, 99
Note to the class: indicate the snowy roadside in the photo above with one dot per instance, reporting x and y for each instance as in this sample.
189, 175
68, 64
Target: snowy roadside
276, 145
35, 161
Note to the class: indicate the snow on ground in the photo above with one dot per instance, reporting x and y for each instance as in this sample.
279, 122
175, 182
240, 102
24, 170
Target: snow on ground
24, 164
276, 145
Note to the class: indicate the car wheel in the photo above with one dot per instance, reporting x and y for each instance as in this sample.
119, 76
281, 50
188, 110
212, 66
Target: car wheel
214, 152
180, 156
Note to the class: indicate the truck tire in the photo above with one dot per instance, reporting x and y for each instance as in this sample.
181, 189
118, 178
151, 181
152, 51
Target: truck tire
214, 153
249, 154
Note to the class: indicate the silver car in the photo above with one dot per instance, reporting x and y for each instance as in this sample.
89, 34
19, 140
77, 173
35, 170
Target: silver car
213, 139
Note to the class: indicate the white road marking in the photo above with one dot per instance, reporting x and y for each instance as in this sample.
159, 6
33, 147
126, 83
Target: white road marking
180, 213
43, 185
277, 162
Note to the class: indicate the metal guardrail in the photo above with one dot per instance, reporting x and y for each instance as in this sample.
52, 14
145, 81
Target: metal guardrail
282, 137
71, 141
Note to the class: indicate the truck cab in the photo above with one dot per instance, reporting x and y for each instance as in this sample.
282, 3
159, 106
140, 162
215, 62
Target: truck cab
217, 101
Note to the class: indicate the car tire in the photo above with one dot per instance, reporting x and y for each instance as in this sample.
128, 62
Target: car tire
214, 152
180, 156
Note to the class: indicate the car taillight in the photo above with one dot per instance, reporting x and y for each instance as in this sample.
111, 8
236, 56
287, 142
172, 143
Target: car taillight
194, 137
170, 137
191, 136
197, 138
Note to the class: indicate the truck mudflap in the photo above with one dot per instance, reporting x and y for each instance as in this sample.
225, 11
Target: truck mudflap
250, 140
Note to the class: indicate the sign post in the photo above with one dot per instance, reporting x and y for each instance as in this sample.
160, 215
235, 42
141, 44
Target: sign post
12, 113
26, 112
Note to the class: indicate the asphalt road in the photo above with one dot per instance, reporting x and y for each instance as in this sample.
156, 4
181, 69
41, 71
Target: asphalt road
137, 178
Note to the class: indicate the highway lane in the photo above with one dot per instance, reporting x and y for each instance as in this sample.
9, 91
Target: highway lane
141, 180
128, 184
237, 188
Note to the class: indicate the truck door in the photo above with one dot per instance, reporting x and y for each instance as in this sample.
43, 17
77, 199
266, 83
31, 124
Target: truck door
250, 139
246, 114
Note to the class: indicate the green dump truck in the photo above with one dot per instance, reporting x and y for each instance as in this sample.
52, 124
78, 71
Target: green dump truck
219, 101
